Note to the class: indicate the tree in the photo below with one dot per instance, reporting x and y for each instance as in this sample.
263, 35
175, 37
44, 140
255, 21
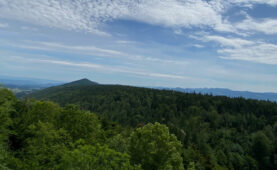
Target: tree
154, 147
80, 124
44, 147
7, 99
261, 149
191, 166
95, 157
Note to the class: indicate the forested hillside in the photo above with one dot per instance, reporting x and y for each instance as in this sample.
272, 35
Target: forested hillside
216, 132
42, 135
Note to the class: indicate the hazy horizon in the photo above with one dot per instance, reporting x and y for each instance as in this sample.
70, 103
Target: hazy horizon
57, 82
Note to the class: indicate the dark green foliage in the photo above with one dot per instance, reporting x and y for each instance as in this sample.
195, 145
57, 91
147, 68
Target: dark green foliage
216, 132
261, 148
96, 157
154, 147
7, 100
44, 147
80, 125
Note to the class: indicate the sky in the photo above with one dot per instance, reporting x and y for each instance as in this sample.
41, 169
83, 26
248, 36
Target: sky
170, 43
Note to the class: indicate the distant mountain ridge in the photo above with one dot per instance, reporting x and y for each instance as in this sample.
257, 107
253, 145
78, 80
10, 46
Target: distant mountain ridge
85, 83
226, 92
30, 85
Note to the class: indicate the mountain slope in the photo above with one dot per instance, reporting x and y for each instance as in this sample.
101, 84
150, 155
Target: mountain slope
82, 82
121, 103
62, 90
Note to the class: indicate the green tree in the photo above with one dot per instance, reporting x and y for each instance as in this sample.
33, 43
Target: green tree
7, 100
95, 157
261, 149
191, 166
119, 143
154, 147
44, 147
80, 124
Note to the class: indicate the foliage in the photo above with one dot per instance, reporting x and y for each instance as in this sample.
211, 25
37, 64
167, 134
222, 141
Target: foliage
154, 147
96, 157
194, 131
216, 132
42, 135
7, 101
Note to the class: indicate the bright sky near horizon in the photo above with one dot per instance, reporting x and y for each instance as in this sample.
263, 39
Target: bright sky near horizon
174, 43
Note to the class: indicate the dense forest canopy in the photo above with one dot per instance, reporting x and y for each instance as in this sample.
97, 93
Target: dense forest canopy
42, 135
123, 127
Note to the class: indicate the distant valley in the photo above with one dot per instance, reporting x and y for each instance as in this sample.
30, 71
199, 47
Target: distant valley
21, 86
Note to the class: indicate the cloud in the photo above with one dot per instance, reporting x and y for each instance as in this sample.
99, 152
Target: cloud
229, 42
124, 42
266, 26
155, 60
28, 28
251, 2
68, 15
100, 67
90, 15
94, 51
89, 49
178, 13
55, 46
260, 53
198, 46
241, 49
4, 25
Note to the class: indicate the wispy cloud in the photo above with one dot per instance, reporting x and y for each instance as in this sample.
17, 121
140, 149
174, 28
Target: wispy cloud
4, 25
229, 42
180, 14
89, 49
241, 49
94, 51
259, 52
266, 26
68, 15
251, 2
55, 46
89, 15
100, 67
28, 28
125, 42
198, 46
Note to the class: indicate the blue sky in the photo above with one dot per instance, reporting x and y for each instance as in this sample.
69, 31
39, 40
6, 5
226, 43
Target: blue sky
174, 43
